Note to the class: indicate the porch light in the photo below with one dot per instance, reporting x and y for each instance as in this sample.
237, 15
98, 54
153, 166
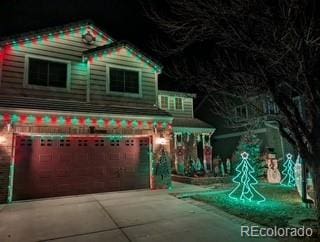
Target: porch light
3, 140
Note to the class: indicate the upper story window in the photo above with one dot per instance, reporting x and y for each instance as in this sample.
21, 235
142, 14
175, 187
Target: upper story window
164, 102
124, 80
47, 72
241, 112
178, 103
270, 106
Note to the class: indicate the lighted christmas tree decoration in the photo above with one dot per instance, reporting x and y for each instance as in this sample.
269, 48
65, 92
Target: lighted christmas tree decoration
245, 190
288, 172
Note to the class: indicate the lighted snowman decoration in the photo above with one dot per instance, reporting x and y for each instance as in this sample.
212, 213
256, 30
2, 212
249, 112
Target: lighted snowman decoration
273, 173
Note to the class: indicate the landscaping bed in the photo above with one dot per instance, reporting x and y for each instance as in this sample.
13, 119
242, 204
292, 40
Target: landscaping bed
201, 180
282, 207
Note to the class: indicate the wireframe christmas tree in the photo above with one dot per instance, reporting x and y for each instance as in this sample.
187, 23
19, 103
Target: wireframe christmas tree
288, 172
245, 190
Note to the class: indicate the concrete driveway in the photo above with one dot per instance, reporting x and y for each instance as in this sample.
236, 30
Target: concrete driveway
140, 215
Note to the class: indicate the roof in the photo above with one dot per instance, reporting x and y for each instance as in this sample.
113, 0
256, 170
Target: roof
191, 125
52, 30
74, 107
123, 44
174, 93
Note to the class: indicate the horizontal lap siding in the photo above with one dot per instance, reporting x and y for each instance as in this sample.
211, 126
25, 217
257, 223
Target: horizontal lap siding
121, 59
68, 48
187, 109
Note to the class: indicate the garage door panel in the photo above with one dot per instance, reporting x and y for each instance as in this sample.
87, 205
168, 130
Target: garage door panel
46, 167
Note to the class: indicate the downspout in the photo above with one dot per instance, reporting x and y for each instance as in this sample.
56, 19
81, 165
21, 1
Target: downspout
88, 82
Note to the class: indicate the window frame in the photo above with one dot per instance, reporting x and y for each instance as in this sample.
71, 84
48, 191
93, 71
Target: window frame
240, 118
168, 104
175, 104
45, 58
128, 94
267, 101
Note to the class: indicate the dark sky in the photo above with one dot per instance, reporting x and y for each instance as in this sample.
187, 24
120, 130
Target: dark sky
122, 19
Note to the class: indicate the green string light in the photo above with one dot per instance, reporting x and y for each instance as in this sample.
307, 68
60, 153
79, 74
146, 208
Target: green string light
245, 190
100, 122
288, 172
88, 121
31, 119
75, 121
113, 123
61, 120
124, 123
47, 119
15, 118
135, 124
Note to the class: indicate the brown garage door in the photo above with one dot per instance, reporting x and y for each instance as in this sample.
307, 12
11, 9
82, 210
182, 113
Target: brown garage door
47, 167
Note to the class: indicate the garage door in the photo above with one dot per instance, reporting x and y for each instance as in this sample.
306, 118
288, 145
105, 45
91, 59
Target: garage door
47, 167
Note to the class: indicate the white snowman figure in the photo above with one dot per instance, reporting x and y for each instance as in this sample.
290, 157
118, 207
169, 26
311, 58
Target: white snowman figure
273, 173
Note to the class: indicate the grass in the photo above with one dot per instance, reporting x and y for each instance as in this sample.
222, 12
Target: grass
282, 206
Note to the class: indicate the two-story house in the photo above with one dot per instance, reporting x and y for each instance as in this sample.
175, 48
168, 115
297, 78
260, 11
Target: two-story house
260, 114
79, 114
191, 136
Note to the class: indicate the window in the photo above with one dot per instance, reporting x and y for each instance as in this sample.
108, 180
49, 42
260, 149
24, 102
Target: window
164, 102
47, 73
125, 81
241, 112
178, 103
270, 106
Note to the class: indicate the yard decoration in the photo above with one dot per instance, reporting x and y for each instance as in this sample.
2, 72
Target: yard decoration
273, 173
245, 190
288, 172
250, 143
163, 165
228, 164
222, 169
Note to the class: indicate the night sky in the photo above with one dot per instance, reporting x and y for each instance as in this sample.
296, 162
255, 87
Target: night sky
122, 19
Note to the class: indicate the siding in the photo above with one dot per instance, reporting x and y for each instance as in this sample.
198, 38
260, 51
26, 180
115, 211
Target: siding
69, 47
187, 111
98, 88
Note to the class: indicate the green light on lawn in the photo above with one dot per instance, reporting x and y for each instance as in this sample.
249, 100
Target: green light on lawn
245, 190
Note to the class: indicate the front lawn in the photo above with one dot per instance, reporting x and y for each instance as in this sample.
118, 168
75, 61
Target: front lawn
282, 207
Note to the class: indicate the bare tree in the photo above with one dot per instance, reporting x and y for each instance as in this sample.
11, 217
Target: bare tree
252, 47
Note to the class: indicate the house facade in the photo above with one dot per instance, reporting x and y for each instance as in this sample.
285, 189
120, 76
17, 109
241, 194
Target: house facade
78, 114
227, 137
190, 138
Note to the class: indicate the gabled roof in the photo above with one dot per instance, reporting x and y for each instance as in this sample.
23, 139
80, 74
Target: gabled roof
192, 125
123, 44
27, 36
177, 94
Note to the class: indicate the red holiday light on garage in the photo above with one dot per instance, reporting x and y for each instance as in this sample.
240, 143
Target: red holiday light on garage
68, 120
54, 119
39, 119
82, 121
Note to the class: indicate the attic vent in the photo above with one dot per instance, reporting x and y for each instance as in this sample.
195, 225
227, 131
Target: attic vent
88, 38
